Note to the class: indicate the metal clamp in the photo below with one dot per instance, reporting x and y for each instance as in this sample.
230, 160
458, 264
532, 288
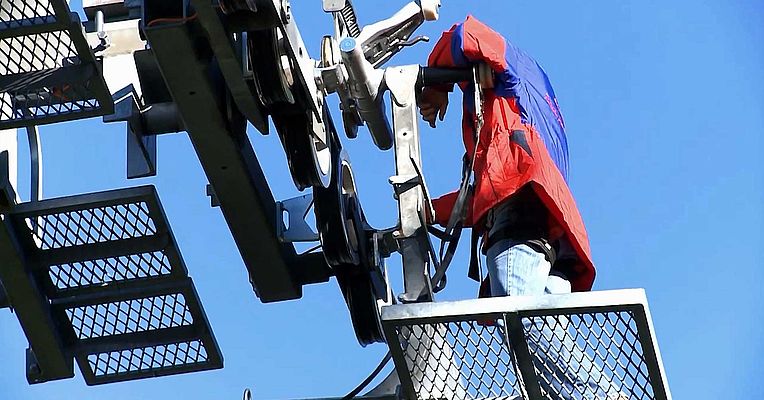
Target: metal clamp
384, 39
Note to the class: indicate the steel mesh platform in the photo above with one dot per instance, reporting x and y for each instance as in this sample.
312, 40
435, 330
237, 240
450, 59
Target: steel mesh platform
598, 344
48, 72
108, 266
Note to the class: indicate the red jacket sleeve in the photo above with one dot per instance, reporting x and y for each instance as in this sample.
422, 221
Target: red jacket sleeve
443, 206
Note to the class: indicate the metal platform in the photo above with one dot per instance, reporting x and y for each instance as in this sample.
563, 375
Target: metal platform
48, 73
499, 348
99, 278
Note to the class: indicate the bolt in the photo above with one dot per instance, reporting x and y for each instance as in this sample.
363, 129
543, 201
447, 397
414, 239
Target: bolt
34, 369
396, 234
286, 11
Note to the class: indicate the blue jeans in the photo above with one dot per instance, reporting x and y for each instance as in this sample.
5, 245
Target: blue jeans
567, 372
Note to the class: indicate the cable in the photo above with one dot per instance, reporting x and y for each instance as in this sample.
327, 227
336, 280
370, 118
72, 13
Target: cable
171, 20
369, 378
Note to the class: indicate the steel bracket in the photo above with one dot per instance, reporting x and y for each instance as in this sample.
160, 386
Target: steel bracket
297, 230
404, 183
141, 147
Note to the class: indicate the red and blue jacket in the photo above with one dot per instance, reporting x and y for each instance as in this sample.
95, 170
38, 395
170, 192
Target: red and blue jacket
523, 139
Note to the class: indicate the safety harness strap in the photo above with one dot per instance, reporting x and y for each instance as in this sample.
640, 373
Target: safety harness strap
459, 210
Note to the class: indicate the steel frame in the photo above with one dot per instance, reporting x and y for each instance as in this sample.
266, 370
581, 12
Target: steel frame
44, 306
218, 134
88, 70
230, 64
47, 359
410, 188
203, 69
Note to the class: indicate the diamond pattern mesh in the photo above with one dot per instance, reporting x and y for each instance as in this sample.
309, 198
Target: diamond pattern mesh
154, 358
109, 270
93, 225
38, 52
594, 355
43, 76
17, 13
116, 285
459, 360
131, 316
601, 349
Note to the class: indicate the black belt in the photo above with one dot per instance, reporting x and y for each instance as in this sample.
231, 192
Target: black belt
516, 233
539, 245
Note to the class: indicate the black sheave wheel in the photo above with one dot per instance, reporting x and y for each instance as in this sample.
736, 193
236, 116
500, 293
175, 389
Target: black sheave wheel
357, 290
345, 243
338, 214
305, 138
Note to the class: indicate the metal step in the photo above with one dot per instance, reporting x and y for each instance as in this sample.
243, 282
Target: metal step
109, 274
48, 72
528, 347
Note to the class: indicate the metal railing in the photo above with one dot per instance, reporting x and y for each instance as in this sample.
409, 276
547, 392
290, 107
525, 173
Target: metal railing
585, 345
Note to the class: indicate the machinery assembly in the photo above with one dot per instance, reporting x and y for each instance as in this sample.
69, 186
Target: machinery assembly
99, 279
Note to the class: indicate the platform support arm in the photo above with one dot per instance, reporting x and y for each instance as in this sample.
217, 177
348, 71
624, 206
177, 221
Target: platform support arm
408, 184
46, 361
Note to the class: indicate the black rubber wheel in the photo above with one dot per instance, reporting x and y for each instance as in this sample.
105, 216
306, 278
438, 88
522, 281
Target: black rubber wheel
265, 55
309, 156
306, 141
341, 225
356, 287
338, 213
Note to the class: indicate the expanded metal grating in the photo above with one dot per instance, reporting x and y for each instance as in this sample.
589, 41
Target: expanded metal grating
48, 72
459, 360
596, 345
602, 350
108, 270
153, 358
117, 286
131, 316
18, 13
92, 225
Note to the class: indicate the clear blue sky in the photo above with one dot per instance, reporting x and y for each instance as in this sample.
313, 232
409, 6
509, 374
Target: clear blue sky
664, 110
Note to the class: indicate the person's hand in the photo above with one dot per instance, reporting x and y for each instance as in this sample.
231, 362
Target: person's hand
432, 105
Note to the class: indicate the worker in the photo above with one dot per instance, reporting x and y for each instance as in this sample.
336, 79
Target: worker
533, 235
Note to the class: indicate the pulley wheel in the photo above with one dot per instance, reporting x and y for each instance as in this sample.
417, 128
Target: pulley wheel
307, 143
338, 213
355, 284
271, 66
305, 138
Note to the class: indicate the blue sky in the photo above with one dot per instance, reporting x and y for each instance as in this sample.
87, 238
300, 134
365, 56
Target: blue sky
664, 111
